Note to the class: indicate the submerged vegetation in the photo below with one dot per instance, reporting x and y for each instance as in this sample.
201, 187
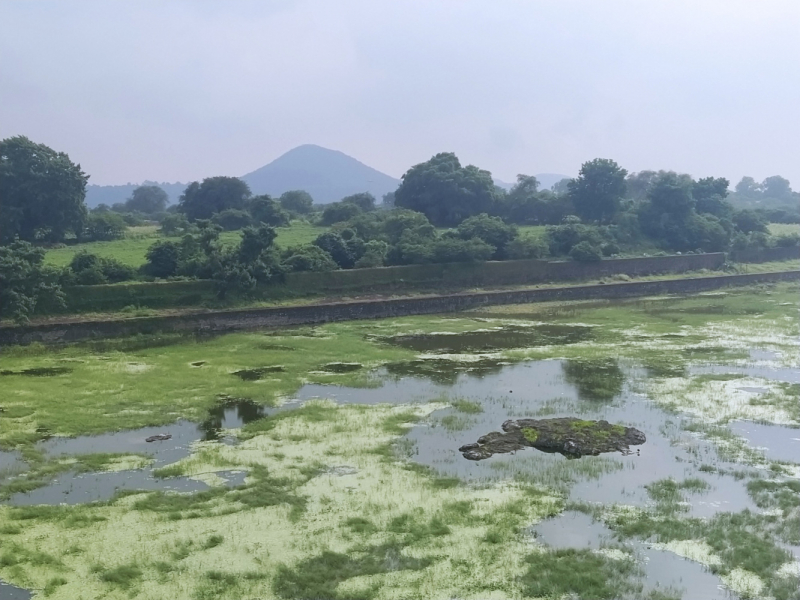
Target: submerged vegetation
336, 497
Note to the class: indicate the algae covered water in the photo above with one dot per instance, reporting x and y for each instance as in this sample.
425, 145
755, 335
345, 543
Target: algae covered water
331, 462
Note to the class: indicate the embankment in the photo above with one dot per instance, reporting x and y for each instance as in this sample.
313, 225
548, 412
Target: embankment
447, 277
247, 319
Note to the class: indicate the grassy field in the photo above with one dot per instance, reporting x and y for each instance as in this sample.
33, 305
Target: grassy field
784, 228
131, 250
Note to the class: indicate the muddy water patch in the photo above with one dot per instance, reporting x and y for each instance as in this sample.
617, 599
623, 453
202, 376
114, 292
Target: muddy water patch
493, 339
662, 570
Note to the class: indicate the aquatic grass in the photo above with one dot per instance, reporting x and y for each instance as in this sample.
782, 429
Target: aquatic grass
469, 407
578, 573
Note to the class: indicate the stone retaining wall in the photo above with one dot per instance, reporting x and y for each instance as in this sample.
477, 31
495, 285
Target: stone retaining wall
249, 319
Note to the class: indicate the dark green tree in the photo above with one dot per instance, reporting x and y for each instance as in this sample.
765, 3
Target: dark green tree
777, 187
491, 230
446, 192
597, 191
265, 210
213, 195
147, 199
748, 221
163, 258
749, 188
103, 227
25, 283
41, 192
337, 212
709, 194
298, 202
364, 200
308, 258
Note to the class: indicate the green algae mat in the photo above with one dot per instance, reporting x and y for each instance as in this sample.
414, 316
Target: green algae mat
325, 462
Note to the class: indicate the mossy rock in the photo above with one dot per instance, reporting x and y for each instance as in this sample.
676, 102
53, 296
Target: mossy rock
568, 436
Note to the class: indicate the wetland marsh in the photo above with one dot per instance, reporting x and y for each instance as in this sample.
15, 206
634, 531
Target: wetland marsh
324, 462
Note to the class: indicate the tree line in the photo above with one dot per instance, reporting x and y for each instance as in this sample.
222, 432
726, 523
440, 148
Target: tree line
441, 212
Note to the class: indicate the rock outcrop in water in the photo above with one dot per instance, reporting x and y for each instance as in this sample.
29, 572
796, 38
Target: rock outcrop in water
568, 436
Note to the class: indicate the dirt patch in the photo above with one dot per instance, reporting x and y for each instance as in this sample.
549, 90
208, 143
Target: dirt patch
568, 436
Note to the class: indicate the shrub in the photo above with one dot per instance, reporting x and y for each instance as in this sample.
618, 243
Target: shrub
104, 226
264, 209
162, 259
336, 212
787, 241
25, 283
297, 201
562, 238
90, 269
308, 258
527, 247
174, 223
374, 254
610, 249
585, 252
748, 221
344, 252
491, 230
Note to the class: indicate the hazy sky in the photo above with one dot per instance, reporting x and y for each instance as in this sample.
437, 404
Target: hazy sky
177, 91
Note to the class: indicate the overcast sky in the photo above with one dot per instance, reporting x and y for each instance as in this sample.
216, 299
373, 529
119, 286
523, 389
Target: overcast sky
178, 91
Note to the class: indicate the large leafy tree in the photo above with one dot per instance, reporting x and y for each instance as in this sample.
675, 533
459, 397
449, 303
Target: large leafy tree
148, 199
446, 192
25, 283
597, 191
213, 195
297, 201
41, 192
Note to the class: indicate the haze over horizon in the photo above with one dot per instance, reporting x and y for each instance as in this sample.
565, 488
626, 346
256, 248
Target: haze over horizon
185, 90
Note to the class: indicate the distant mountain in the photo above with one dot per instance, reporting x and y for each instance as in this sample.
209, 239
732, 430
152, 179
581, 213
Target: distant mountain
328, 175
111, 194
546, 181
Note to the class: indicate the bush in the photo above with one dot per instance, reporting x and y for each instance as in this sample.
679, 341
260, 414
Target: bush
104, 226
231, 219
163, 259
308, 258
374, 255
585, 252
787, 241
527, 247
174, 224
90, 269
265, 210
491, 230
298, 202
562, 238
345, 252
610, 249
25, 283
748, 221
336, 212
